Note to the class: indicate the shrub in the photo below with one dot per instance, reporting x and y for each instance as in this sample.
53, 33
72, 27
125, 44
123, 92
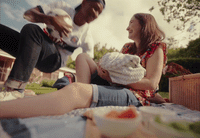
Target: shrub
188, 63
164, 84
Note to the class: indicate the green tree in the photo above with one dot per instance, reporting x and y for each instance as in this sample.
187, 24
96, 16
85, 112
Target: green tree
171, 42
99, 51
173, 53
192, 50
185, 11
70, 63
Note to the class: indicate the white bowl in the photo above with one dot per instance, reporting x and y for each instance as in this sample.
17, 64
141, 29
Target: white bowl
115, 127
163, 131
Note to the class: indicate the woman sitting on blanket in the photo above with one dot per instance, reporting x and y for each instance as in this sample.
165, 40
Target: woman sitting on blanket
147, 37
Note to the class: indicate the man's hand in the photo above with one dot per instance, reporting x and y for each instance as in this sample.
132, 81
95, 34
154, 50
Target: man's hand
34, 15
60, 25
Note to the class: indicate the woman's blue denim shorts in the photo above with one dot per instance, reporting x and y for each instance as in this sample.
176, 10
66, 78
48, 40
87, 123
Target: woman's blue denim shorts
113, 96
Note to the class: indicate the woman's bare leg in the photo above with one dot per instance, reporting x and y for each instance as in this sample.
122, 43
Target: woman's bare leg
73, 96
85, 66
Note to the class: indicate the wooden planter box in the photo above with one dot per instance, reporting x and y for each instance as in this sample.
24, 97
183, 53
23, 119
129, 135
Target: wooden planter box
185, 90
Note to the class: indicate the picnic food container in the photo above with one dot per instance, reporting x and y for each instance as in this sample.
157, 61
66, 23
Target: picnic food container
185, 90
116, 127
149, 112
162, 130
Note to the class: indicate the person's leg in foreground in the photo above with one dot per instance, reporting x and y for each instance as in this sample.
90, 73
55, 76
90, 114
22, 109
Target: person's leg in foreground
73, 96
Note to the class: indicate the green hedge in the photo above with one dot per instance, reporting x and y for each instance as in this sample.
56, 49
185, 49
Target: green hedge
164, 84
193, 64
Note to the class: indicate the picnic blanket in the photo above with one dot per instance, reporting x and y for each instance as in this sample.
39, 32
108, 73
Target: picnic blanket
70, 125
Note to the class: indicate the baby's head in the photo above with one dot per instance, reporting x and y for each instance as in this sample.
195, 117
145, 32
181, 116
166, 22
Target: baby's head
122, 68
104, 74
115, 60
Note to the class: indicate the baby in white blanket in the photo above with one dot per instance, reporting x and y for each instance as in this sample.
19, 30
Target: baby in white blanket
122, 68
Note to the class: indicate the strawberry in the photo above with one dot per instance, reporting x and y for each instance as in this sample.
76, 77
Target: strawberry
129, 113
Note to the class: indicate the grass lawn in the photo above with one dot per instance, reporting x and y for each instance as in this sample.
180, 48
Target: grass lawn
164, 94
38, 89
42, 90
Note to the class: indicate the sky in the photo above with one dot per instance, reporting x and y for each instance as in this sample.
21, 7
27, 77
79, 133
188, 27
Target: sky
109, 28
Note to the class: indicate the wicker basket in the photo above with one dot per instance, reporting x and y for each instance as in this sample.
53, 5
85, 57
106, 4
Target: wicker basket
185, 90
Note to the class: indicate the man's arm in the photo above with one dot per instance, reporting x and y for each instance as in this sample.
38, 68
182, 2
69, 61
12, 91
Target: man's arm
34, 15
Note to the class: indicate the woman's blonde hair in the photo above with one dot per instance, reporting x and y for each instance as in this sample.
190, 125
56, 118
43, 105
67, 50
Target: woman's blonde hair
150, 31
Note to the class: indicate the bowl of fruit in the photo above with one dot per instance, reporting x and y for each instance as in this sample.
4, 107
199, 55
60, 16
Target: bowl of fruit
117, 121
